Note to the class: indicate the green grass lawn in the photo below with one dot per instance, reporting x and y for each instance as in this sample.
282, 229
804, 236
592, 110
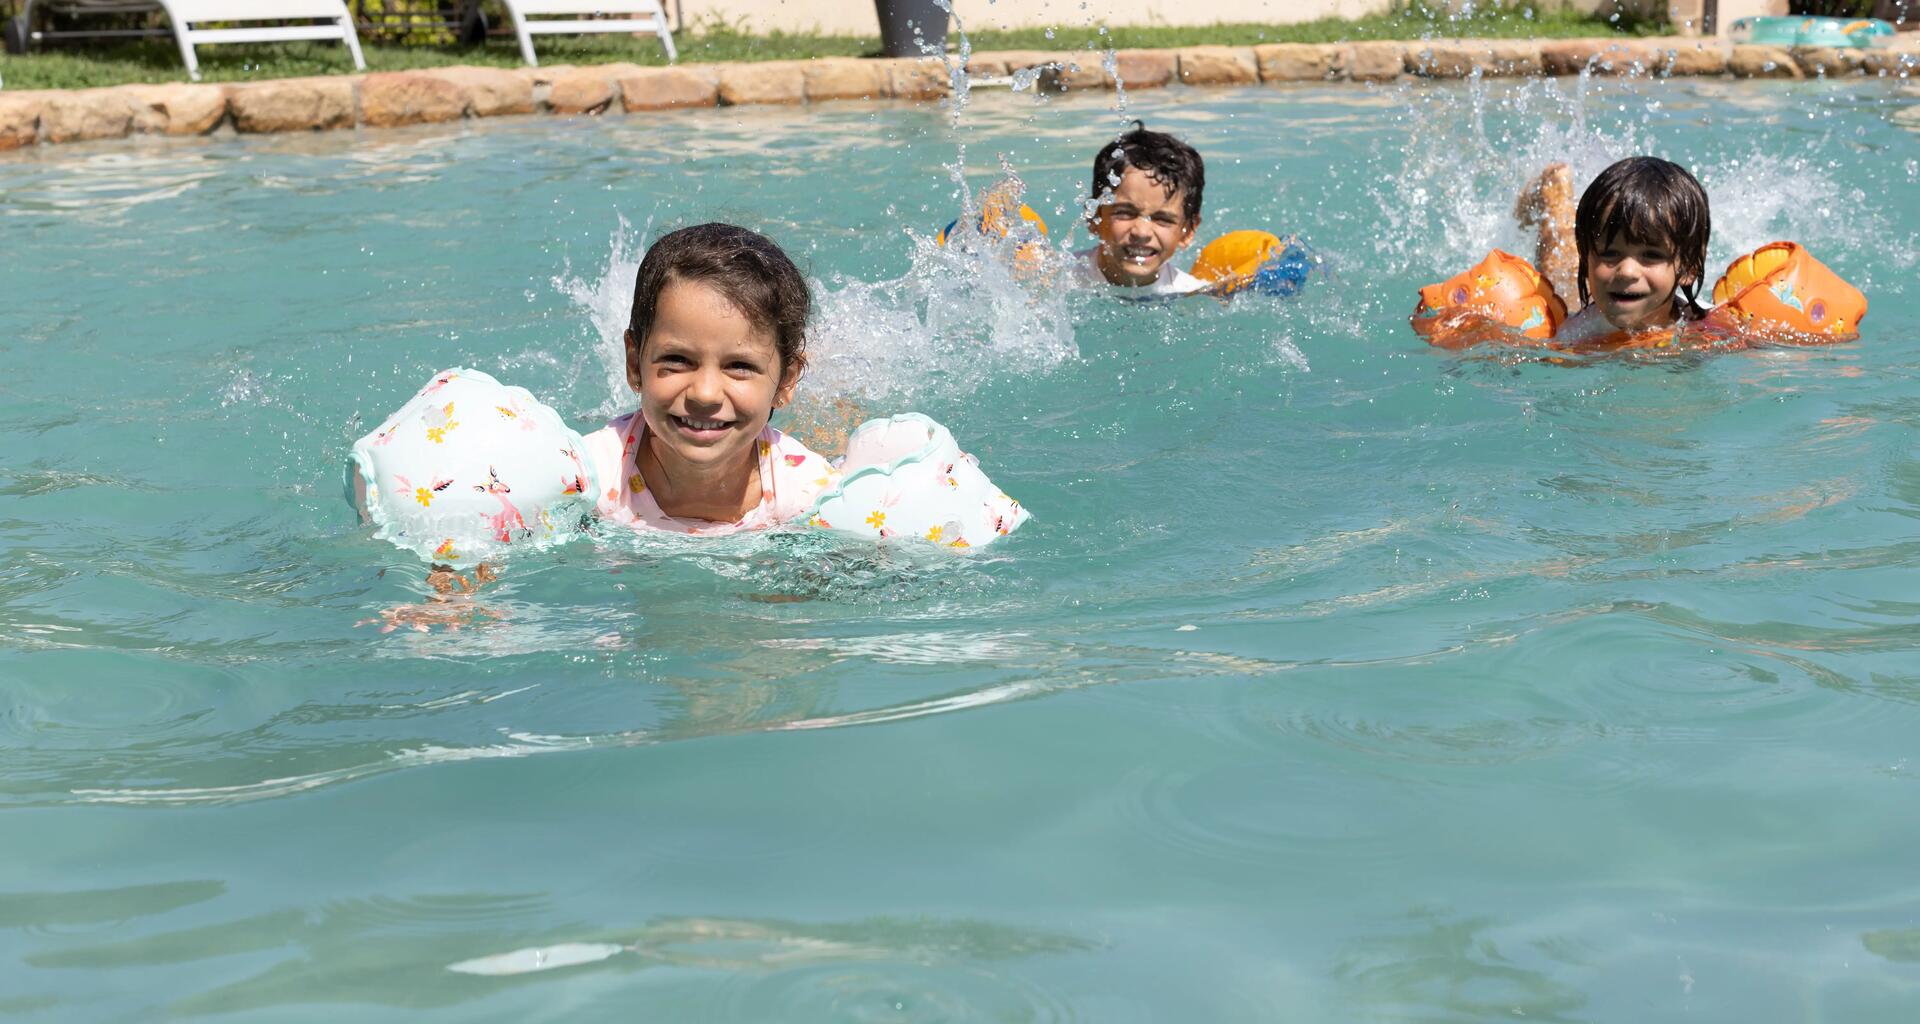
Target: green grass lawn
75, 65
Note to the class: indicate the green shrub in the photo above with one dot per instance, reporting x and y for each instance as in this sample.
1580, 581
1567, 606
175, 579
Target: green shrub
407, 22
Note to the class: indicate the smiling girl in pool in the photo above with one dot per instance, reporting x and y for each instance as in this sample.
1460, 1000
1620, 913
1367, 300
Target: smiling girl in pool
715, 343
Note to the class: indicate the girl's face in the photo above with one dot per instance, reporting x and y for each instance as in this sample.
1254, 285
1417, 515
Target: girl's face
708, 378
1632, 283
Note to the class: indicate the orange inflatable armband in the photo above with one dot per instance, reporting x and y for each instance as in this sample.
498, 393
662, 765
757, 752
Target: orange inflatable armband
1502, 291
1781, 288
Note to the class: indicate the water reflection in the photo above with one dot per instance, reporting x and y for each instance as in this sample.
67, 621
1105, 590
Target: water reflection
1444, 967
433, 951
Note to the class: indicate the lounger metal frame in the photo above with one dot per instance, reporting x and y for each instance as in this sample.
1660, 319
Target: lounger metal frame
641, 16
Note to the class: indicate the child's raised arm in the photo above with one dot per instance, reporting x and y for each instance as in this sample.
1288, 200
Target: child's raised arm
1547, 203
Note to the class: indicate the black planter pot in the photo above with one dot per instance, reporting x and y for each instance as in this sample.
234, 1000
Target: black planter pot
912, 28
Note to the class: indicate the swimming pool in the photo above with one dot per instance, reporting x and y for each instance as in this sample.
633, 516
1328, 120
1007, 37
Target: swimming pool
1336, 678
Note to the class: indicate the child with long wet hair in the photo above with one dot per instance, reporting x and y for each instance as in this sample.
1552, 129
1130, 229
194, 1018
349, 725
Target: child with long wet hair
1636, 253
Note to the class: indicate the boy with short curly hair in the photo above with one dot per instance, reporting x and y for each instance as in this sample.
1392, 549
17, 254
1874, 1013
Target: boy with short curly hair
1146, 193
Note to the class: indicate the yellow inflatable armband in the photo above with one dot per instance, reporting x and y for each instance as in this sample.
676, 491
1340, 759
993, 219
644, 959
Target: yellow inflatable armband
992, 223
1002, 214
1502, 291
1781, 288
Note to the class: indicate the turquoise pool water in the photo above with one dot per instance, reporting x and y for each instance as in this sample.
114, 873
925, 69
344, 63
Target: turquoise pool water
1336, 680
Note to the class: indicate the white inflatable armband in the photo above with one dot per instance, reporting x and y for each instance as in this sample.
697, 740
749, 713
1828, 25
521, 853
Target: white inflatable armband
471, 467
905, 477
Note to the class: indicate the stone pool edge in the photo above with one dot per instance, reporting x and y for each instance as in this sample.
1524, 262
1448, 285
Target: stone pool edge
438, 95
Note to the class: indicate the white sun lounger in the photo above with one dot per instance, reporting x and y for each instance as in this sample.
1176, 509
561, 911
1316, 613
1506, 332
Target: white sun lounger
330, 17
326, 19
639, 16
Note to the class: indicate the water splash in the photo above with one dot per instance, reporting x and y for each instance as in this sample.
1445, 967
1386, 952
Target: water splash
961, 314
1286, 353
1452, 199
1110, 62
1763, 197
965, 310
1458, 184
1028, 79
606, 301
962, 85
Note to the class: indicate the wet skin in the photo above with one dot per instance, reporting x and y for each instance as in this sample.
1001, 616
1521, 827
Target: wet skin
1632, 284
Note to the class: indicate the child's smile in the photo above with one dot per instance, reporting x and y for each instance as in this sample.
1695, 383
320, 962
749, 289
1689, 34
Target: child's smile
703, 429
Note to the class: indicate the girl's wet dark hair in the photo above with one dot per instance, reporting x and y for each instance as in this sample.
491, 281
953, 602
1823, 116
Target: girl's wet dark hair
1645, 200
1172, 164
746, 267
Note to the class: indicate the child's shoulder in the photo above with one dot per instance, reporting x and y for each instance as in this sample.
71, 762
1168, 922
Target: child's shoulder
1182, 283
788, 449
607, 450
800, 474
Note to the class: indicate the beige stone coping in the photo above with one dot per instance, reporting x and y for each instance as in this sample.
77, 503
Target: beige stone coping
390, 99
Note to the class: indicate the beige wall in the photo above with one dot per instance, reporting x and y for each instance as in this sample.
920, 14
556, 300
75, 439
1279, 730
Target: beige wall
856, 17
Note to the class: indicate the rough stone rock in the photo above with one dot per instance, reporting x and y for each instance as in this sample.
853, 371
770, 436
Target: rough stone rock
667, 88
1689, 57
1630, 57
1299, 62
293, 104
774, 81
1829, 62
393, 98
489, 92
1568, 56
1459, 58
1763, 62
1894, 63
20, 118
1218, 65
544, 75
1505, 58
1598, 57
1380, 61
1513, 57
984, 66
1146, 69
176, 109
1009, 61
580, 91
917, 78
1083, 74
1439, 58
82, 114
844, 78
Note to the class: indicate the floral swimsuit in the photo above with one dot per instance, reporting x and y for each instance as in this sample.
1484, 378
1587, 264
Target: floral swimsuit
792, 477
